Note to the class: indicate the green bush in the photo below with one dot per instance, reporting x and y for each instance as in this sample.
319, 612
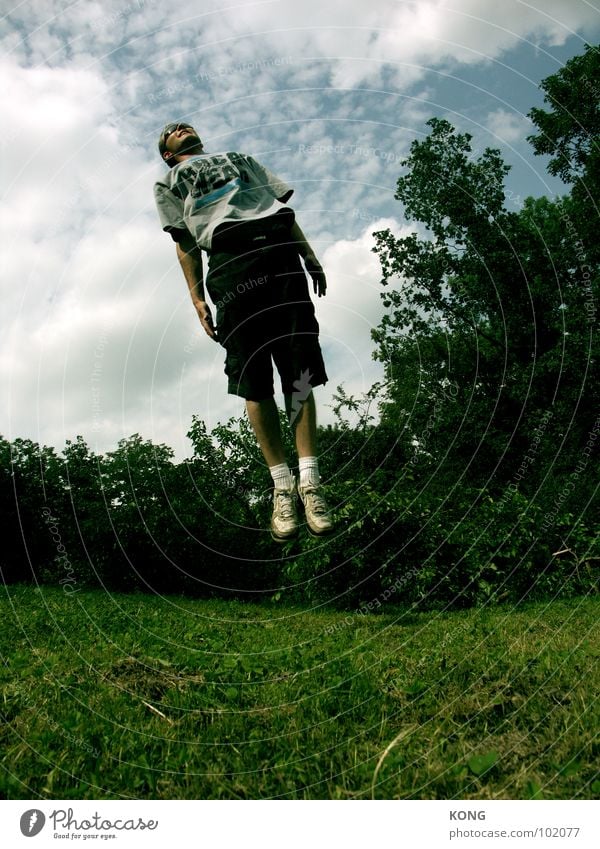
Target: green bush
407, 546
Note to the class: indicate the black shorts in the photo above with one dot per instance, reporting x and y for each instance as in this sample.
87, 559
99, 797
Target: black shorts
264, 315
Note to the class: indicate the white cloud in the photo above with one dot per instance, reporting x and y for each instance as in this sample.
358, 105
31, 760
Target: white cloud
76, 218
353, 40
86, 88
508, 127
353, 308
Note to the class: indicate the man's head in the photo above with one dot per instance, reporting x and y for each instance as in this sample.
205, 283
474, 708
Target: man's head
178, 139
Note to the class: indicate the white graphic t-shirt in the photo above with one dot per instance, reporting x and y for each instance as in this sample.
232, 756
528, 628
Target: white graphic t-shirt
205, 191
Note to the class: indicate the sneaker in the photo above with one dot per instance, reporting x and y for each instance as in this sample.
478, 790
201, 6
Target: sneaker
318, 515
284, 521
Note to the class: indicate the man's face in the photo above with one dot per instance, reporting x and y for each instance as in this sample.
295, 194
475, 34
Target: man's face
181, 138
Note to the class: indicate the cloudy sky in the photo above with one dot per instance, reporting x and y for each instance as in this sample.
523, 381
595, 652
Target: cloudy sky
99, 336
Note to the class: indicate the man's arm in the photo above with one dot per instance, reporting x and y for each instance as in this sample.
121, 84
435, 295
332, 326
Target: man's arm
311, 263
190, 260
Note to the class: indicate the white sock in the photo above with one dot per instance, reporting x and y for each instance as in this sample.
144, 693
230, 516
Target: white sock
282, 477
309, 471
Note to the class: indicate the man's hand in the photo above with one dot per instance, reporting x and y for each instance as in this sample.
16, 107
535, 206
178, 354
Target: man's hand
314, 268
205, 317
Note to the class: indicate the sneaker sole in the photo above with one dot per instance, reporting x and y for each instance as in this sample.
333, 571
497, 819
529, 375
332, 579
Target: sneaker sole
319, 533
280, 540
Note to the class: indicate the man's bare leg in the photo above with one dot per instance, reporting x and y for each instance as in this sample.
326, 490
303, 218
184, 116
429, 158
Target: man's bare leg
304, 425
264, 418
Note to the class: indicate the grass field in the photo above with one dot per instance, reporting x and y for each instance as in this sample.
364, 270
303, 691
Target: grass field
134, 696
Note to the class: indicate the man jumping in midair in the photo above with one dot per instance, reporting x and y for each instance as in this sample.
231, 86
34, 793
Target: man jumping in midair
234, 209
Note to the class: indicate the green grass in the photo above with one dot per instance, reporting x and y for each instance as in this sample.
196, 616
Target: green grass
108, 696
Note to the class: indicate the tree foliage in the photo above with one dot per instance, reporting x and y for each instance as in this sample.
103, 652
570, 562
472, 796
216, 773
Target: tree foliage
484, 333
570, 130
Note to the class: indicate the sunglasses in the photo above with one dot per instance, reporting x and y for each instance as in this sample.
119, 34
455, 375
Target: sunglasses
171, 128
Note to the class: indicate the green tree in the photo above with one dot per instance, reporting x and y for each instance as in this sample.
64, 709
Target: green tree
31, 491
569, 131
454, 334
483, 334
136, 481
85, 512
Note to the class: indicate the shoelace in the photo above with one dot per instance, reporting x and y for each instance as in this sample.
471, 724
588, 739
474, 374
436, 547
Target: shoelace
285, 504
317, 502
